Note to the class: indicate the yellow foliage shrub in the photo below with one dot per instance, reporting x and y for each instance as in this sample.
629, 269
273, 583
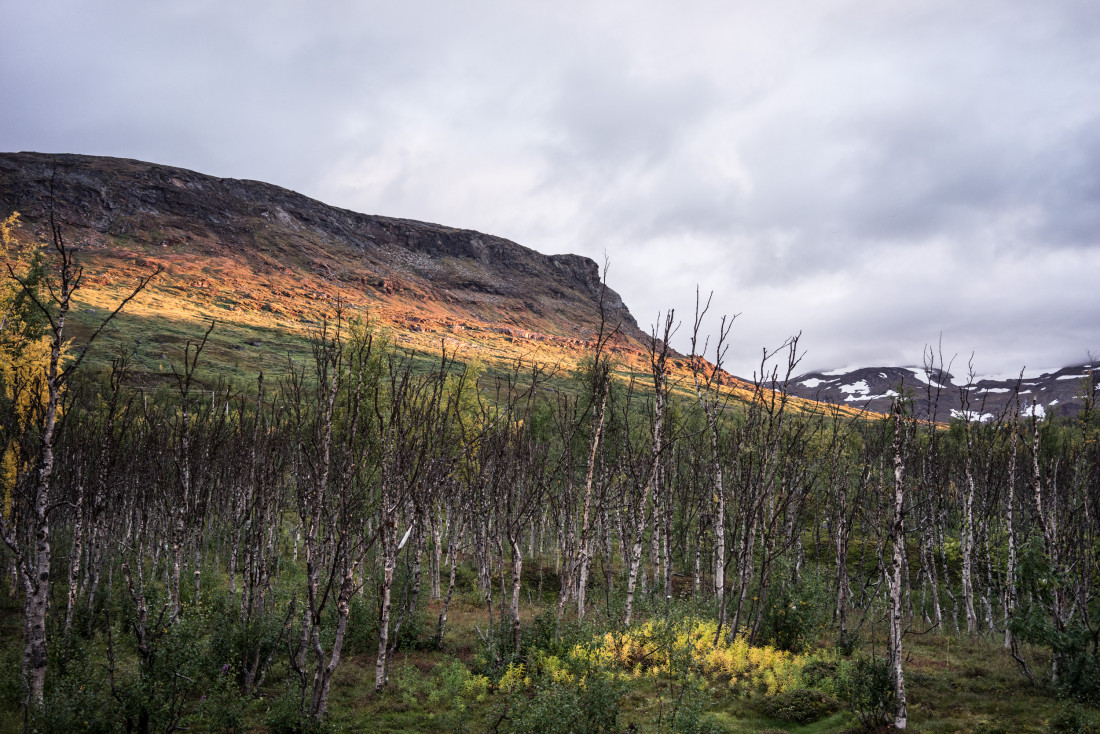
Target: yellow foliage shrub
696, 646
515, 676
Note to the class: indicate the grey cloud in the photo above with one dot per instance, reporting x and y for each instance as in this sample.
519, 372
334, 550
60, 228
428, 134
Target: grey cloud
871, 174
607, 117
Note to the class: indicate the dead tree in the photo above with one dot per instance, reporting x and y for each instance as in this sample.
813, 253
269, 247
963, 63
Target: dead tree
658, 363
329, 497
708, 392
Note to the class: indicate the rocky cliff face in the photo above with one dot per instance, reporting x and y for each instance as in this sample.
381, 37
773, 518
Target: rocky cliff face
264, 248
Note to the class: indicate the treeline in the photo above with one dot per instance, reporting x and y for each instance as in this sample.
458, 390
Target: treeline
362, 480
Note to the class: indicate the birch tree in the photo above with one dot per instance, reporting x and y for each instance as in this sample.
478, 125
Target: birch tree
30, 540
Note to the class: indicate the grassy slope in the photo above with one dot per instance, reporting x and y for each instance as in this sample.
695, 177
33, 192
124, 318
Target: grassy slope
262, 319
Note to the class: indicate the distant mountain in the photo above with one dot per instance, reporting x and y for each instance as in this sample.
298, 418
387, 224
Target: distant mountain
872, 388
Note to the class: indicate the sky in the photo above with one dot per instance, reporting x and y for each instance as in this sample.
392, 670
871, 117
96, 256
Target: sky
875, 176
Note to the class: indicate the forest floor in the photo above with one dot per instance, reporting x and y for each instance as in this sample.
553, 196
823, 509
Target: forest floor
953, 684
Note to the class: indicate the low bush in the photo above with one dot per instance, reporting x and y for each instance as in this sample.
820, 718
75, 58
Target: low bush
847, 642
558, 696
658, 647
362, 631
448, 691
866, 685
1072, 719
77, 703
688, 714
284, 716
1080, 676
820, 674
796, 613
800, 706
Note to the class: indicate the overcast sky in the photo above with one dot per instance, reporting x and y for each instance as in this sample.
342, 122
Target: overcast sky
872, 174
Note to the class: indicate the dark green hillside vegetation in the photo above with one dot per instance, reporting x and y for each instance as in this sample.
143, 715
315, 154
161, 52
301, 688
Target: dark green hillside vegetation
381, 541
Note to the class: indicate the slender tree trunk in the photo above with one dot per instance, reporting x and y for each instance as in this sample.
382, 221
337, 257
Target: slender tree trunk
389, 562
968, 543
75, 555
1010, 531
452, 557
745, 569
323, 678
517, 573
437, 553
898, 535
36, 578
584, 542
841, 542
639, 524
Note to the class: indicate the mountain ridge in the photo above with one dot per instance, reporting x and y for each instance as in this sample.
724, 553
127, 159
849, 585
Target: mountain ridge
938, 394
252, 250
266, 261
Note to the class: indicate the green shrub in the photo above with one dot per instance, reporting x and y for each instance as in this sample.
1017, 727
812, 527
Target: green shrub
820, 674
688, 714
11, 675
465, 580
77, 703
414, 633
1075, 645
544, 634
448, 692
1079, 676
795, 612
362, 631
285, 716
847, 643
238, 644
800, 706
539, 633
568, 708
867, 687
222, 708
1071, 719
570, 694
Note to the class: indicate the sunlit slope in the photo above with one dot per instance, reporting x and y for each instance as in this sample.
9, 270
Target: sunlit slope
268, 265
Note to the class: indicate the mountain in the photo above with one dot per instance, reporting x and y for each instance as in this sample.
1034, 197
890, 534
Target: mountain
268, 264
265, 262
872, 388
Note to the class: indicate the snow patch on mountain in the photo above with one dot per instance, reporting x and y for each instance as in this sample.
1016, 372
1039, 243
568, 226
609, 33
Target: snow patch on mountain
859, 388
923, 377
1034, 410
972, 416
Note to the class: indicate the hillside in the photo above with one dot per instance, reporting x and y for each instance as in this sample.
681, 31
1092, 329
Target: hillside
268, 264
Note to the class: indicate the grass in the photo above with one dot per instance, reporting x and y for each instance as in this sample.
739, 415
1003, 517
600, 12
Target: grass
953, 684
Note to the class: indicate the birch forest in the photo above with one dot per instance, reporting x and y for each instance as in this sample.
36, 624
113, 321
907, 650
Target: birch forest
370, 540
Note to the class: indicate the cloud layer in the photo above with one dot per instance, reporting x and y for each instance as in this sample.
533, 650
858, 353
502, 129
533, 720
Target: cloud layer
871, 175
